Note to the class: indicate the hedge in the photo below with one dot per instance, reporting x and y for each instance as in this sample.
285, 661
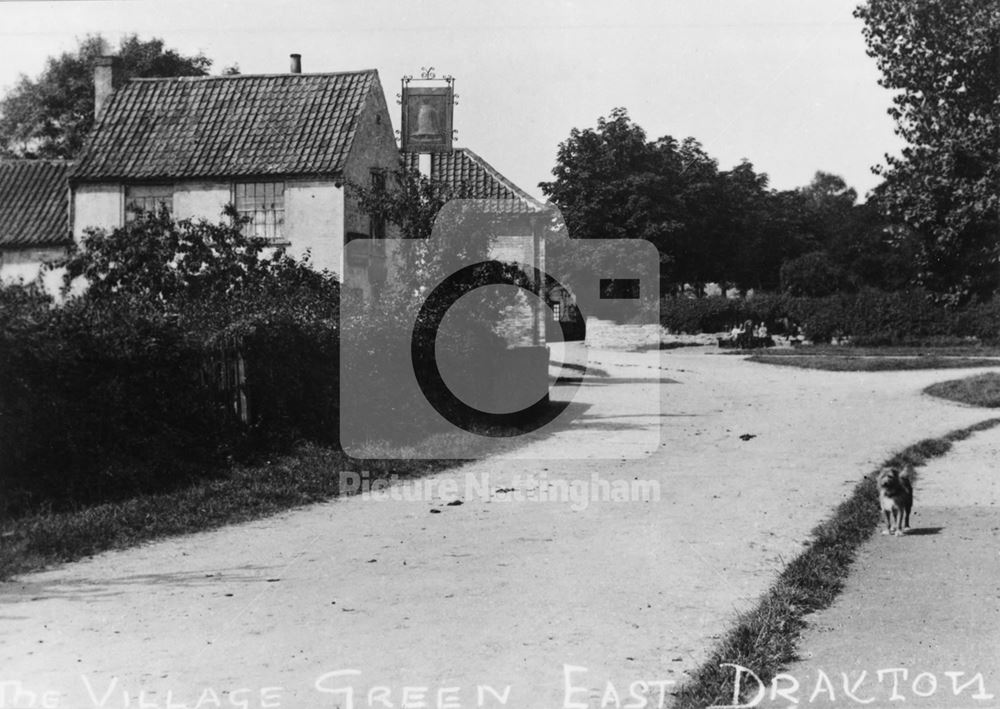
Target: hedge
868, 317
104, 399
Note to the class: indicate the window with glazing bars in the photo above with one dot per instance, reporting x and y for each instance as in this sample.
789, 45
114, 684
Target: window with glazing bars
264, 203
147, 198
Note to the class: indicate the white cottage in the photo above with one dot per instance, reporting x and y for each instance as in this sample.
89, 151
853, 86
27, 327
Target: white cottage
280, 147
34, 221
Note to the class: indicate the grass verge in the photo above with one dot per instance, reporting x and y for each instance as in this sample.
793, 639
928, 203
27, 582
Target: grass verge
309, 474
244, 492
971, 350
765, 638
978, 390
872, 363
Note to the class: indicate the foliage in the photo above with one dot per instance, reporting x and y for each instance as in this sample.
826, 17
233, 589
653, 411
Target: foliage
411, 202
867, 317
154, 257
123, 388
444, 231
51, 115
941, 59
711, 225
853, 363
813, 274
613, 183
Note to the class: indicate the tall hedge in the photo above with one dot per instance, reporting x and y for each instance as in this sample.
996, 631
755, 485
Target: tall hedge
119, 390
102, 400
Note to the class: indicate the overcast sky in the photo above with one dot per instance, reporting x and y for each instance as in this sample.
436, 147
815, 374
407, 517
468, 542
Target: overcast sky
783, 83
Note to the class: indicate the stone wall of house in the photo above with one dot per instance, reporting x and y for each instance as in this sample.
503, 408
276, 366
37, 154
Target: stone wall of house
374, 148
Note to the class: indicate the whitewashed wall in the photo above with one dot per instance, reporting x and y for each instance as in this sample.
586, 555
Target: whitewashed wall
100, 206
201, 200
314, 213
25, 265
314, 222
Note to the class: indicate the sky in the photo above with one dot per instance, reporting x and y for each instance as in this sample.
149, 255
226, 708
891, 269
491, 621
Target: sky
785, 84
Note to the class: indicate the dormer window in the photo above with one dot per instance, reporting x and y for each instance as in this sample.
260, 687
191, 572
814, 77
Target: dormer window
264, 204
147, 198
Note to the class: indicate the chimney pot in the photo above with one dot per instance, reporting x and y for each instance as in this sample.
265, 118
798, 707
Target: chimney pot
107, 78
296, 63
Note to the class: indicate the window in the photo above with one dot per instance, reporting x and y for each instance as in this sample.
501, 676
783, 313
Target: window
147, 198
377, 225
264, 203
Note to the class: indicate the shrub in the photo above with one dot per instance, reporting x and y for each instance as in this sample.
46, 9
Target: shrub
980, 320
869, 317
812, 274
122, 390
718, 313
820, 319
691, 315
901, 317
95, 402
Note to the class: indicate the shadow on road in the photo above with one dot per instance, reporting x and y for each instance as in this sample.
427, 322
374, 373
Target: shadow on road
923, 531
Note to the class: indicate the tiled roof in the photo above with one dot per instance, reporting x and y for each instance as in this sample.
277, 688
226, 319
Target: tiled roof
34, 203
464, 170
227, 126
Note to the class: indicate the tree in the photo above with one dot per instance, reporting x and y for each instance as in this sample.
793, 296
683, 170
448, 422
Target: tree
611, 182
50, 116
812, 274
412, 203
828, 196
941, 57
710, 225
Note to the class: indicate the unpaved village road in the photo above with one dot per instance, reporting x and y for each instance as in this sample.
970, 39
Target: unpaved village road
493, 592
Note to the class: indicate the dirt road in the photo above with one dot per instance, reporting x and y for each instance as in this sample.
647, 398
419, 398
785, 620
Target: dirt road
507, 595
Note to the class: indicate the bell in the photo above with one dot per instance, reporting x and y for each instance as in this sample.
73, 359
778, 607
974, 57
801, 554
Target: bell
427, 122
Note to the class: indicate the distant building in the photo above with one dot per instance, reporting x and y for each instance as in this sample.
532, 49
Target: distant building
34, 218
462, 168
279, 147
469, 175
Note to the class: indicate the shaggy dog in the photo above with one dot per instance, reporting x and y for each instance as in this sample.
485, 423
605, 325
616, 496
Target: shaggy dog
895, 495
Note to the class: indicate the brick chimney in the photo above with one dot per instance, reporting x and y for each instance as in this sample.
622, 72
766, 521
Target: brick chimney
296, 67
107, 78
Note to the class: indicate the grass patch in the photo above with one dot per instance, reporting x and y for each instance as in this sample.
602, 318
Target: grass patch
765, 638
971, 350
872, 363
978, 390
244, 492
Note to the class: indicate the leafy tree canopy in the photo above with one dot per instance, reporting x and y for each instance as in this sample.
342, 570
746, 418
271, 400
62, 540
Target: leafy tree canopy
51, 115
709, 225
723, 226
941, 59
